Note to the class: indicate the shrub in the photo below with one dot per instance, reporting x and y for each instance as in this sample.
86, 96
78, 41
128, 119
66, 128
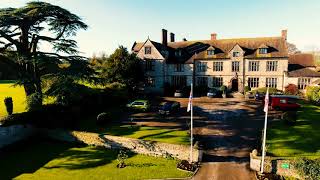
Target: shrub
310, 169
34, 101
223, 88
247, 89
313, 93
103, 118
264, 90
200, 90
290, 117
9, 105
122, 156
291, 89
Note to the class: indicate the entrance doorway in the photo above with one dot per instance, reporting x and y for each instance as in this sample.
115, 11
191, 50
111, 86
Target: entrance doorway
234, 85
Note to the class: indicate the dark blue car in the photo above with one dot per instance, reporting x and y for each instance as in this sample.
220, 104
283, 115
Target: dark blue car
169, 107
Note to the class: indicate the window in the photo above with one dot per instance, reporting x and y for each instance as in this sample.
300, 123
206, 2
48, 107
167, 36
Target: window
236, 54
271, 82
210, 52
179, 81
272, 65
150, 82
147, 50
303, 82
178, 52
253, 65
217, 81
263, 51
178, 67
217, 66
202, 81
150, 65
201, 66
253, 82
235, 66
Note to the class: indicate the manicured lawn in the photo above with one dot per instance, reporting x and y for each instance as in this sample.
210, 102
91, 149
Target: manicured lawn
301, 140
18, 96
163, 134
53, 160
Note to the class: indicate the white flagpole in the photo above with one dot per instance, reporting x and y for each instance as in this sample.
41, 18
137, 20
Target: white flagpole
191, 126
265, 131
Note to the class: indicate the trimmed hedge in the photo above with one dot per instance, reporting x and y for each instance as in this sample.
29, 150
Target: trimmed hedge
310, 169
264, 90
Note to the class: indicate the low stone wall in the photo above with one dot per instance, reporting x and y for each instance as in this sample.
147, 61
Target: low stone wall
12, 134
135, 145
273, 165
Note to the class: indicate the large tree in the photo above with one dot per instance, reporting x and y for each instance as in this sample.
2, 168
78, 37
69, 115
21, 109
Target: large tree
23, 31
122, 66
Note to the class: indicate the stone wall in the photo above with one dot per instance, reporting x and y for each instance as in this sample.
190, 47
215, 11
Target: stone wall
273, 165
135, 145
12, 134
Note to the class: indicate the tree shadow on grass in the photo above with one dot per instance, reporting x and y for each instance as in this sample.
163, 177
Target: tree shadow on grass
28, 156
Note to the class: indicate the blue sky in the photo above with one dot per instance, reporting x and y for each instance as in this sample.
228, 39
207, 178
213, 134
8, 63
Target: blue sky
121, 22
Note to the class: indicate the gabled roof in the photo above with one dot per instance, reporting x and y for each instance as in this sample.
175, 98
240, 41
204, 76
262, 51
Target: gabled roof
277, 46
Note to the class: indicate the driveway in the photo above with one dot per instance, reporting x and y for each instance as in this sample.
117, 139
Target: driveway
228, 133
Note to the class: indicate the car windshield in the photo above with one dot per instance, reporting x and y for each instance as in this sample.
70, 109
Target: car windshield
138, 103
166, 106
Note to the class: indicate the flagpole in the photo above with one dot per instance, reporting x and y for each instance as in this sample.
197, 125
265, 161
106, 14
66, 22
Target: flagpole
265, 131
191, 127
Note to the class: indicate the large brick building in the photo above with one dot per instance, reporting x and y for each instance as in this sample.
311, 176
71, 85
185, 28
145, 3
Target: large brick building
236, 63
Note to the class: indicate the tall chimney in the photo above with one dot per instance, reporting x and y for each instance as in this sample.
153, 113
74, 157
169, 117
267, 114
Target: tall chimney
213, 36
172, 37
164, 37
284, 34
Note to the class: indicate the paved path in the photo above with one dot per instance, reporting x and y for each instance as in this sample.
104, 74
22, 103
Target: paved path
228, 135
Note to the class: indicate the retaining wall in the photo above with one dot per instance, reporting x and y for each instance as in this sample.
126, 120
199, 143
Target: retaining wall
136, 145
12, 134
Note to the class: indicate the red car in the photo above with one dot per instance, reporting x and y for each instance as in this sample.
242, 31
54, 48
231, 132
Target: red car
284, 102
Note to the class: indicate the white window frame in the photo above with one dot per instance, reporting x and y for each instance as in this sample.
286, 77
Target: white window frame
147, 50
217, 81
178, 67
235, 66
202, 81
253, 82
150, 65
210, 52
254, 65
272, 65
217, 66
303, 82
271, 82
235, 54
202, 66
263, 50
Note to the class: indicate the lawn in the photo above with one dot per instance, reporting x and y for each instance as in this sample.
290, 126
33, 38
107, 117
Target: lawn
56, 160
18, 96
163, 134
301, 140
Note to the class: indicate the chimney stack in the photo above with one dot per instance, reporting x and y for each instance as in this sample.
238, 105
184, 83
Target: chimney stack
284, 34
213, 36
172, 37
164, 37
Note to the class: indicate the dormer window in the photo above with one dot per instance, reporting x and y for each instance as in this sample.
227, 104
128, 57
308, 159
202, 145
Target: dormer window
178, 53
236, 54
210, 52
263, 50
147, 50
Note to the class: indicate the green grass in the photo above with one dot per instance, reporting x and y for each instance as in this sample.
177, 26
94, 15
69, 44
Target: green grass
301, 140
18, 96
52, 160
160, 134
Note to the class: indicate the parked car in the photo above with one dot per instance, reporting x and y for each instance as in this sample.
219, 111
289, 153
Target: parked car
213, 93
259, 96
284, 102
143, 105
169, 108
178, 94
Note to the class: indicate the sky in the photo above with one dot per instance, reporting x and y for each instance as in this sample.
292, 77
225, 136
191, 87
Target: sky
122, 22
